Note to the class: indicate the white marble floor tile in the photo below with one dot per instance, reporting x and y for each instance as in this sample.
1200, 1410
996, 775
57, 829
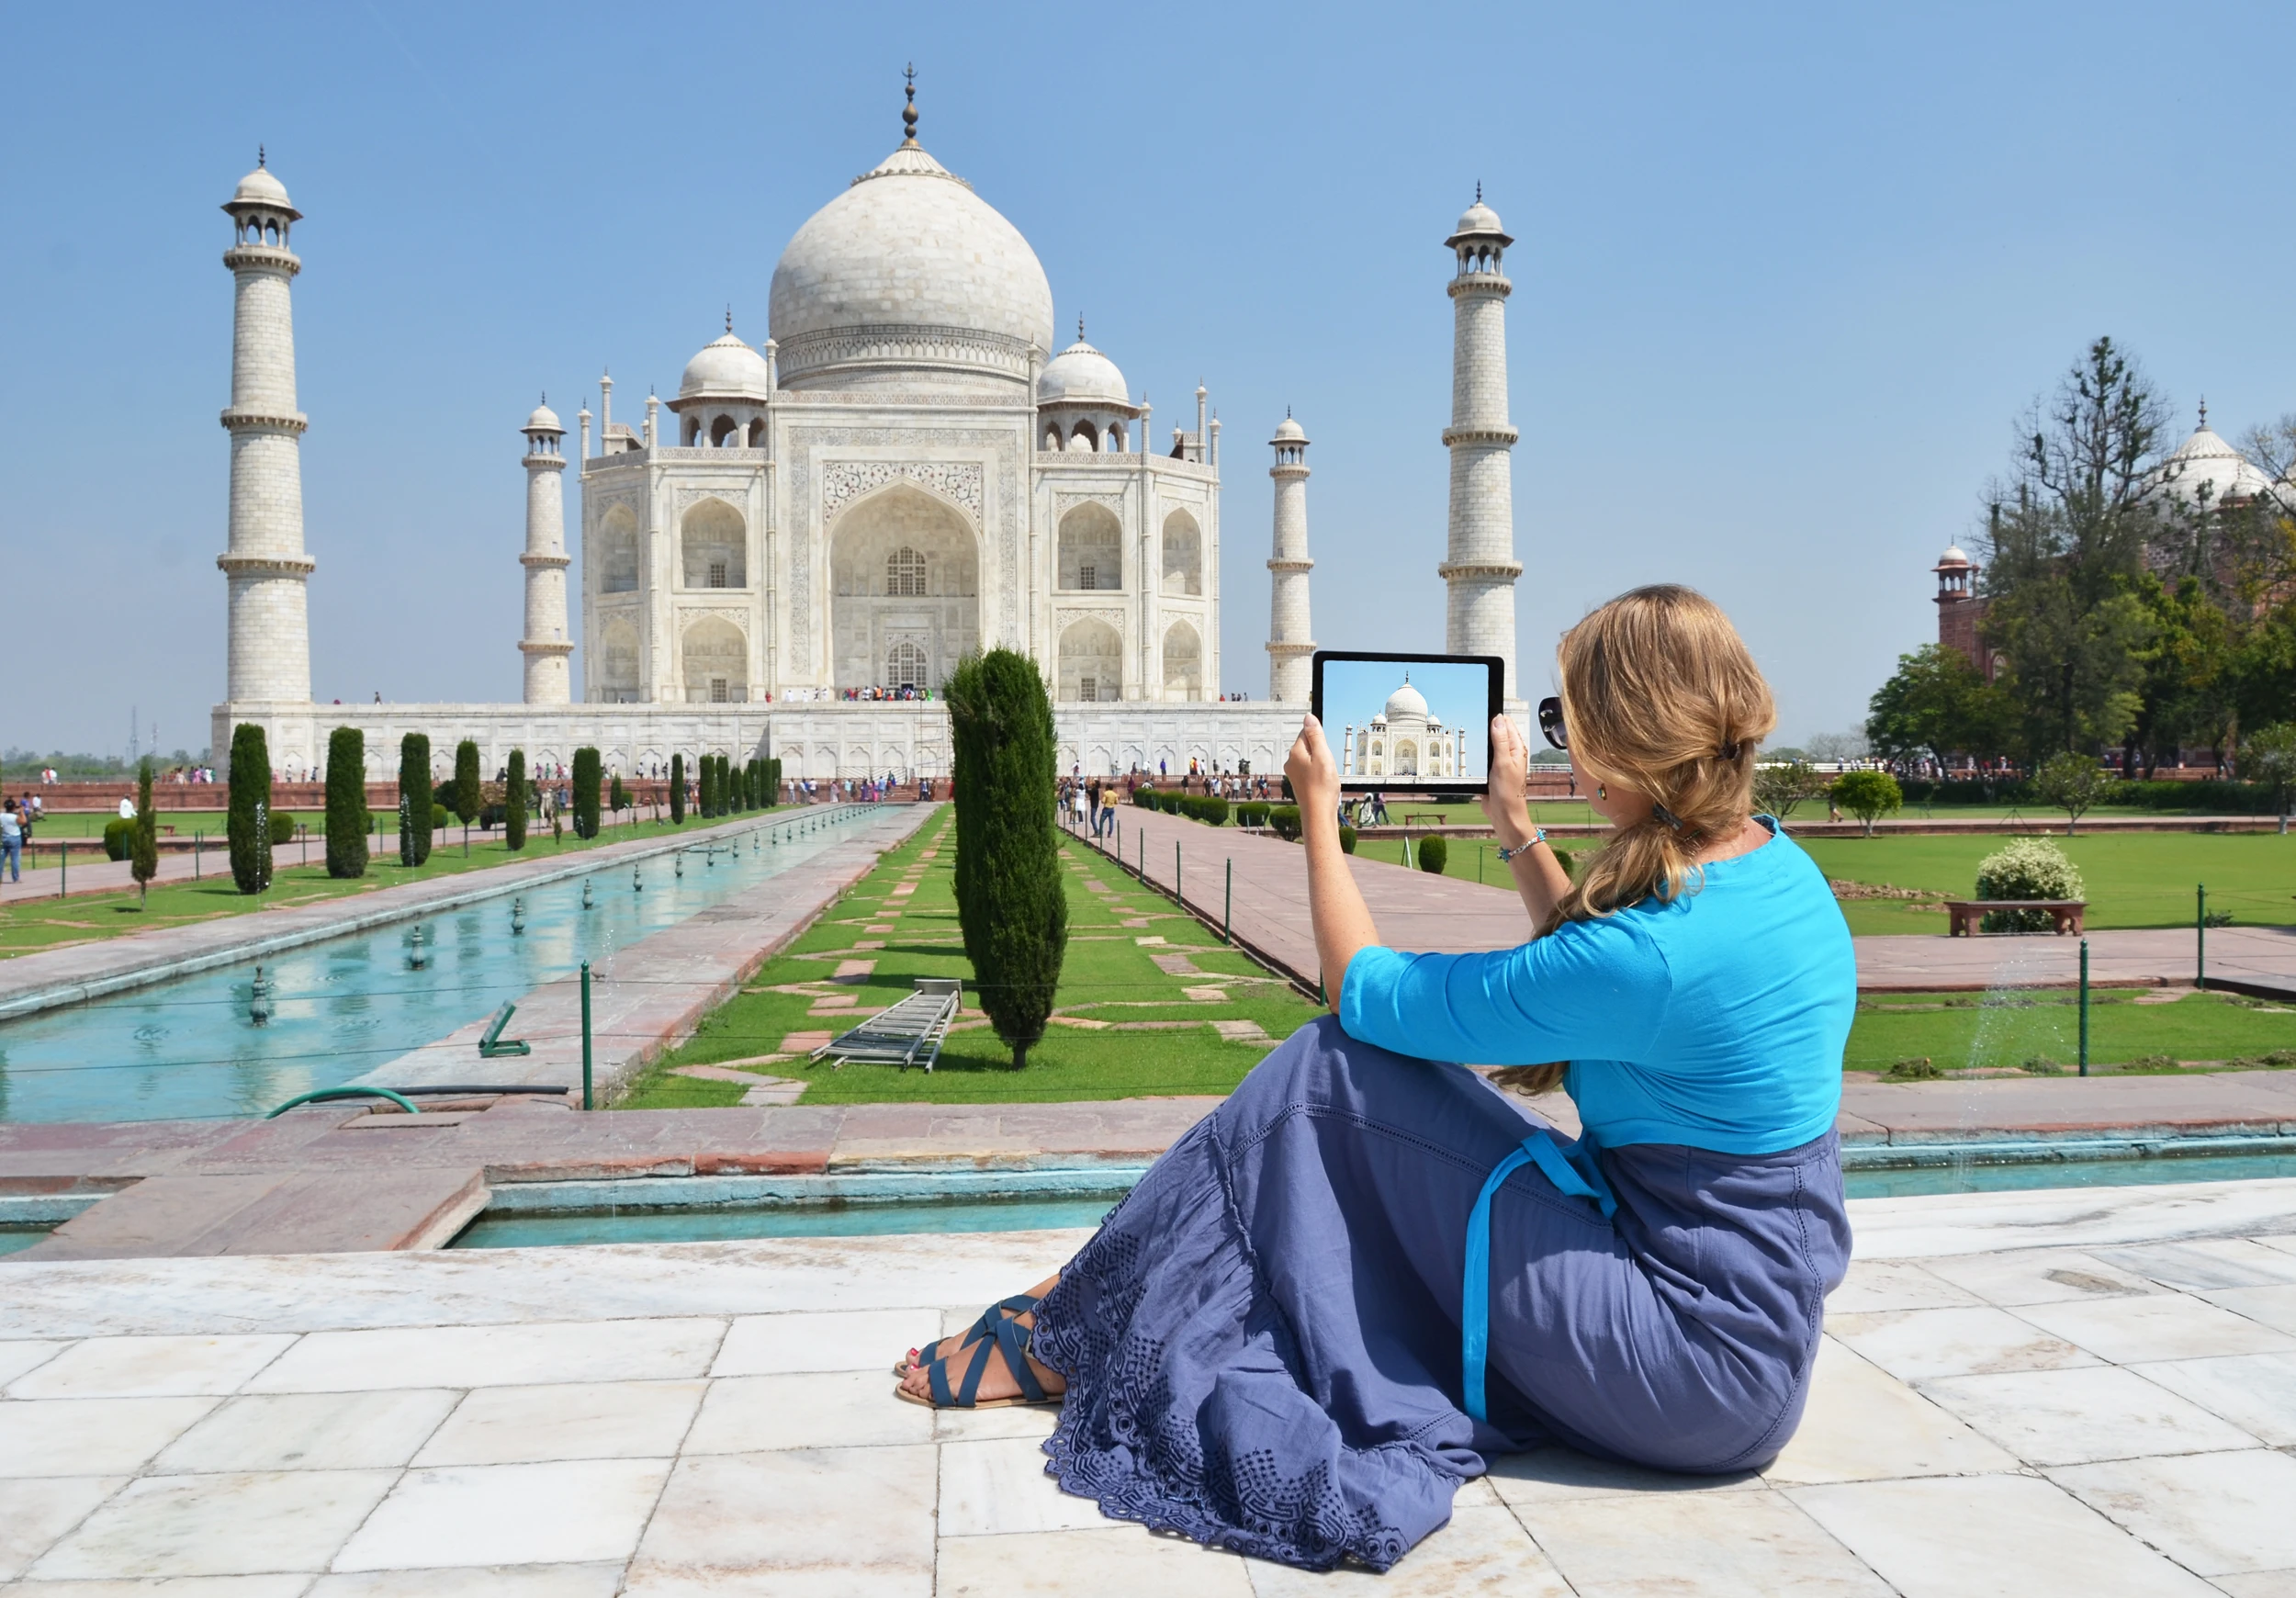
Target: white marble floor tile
151, 1366
1915, 1344
1483, 1553
1723, 1545
2260, 1584
594, 1581
240, 1523
2217, 1513
842, 1340
1864, 1424
274, 1586
1555, 1475
991, 1488
314, 1431
1894, 1284
833, 1409
495, 1356
18, 1355
2198, 1264
584, 1420
1991, 1537
567, 1511
2162, 1326
2072, 1417
2273, 1307
34, 1513
2040, 1276
90, 1437
1113, 1561
2254, 1391
979, 1426
804, 1522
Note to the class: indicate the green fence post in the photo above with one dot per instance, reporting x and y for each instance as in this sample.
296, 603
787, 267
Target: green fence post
2083, 1007
195, 856
63, 869
2200, 934
1227, 908
586, 1034
1177, 898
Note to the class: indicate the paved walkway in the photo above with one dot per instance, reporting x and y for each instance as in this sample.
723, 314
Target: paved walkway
1418, 911
2017, 1393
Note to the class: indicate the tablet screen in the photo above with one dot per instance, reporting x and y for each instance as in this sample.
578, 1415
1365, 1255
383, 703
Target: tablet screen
1409, 723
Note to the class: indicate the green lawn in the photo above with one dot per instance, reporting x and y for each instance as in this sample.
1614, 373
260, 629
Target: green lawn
2008, 1030
1158, 1040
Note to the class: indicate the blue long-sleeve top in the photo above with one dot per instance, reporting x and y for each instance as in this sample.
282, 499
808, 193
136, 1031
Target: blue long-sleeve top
1716, 1019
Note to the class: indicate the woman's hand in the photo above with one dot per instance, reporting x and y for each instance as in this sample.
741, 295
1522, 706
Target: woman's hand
1503, 804
1313, 772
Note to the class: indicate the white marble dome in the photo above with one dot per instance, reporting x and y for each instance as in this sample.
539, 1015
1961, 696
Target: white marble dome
908, 271
1405, 700
1081, 375
2205, 467
1289, 432
260, 188
1477, 218
544, 420
1953, 557
725, 368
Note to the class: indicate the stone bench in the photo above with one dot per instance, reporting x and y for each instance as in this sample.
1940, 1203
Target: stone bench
1966, 912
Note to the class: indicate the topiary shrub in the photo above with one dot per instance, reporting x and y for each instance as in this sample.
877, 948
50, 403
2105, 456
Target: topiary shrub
465, 800
251, 788
1010, 903
118, 833
441, 818
143, 837
346, 803
617, 797
1285, 820
1868, 795
1207, 808
586, 792
1347, 838
414, 799
1253, 813
282, 828
515, 804
1435, 853
677, 790
2026, 868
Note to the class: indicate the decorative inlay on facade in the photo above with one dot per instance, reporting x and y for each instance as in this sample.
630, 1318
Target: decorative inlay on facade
921, 345
843, 481
1067, 616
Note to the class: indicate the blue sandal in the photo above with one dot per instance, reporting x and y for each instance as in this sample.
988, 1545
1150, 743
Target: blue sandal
1009, 1339
981, 1329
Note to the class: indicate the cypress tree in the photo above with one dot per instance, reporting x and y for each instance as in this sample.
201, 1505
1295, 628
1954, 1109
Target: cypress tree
773, 781
738, 783
143, 849
251, 786
1009, 903
465, 804
346, 803
416, 798
586, 792
677, 790
515, 804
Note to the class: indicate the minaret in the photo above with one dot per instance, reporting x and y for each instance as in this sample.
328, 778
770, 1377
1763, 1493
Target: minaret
546, 645
266, 569
1480, 567
1289, 646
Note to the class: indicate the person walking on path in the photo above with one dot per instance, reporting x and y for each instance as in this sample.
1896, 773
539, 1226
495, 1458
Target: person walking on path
12, 840
1369, 1269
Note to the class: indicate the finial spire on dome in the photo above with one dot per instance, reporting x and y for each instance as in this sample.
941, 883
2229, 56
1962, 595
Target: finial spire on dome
259, 157
1080, 327
908, 111
729, 318
1479, 191
2204, 413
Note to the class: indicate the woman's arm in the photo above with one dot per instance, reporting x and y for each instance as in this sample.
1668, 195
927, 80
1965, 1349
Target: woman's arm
1342, 920
1538, 875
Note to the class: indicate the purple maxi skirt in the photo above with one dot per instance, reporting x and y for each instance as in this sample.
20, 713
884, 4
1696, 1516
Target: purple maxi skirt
1263, 1341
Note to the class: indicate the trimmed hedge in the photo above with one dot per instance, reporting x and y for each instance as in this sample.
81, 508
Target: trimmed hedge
515, 804
586, 792
2160, 795
1253, 812
1434, 852
143, 837
465, 801
118, 838
1347, 838
415, 803
346, 803
282, 828
251, 786
1284, 819
677, 790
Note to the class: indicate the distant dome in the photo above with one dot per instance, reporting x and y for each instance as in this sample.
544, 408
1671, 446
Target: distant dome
1081, 375
1405, 700
1478, 217
2205, 466
1953, 557
260, 188
544, 420
908, 271
725, 368
1289, 432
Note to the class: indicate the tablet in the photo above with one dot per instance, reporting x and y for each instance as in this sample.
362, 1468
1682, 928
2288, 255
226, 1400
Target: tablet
1409, 723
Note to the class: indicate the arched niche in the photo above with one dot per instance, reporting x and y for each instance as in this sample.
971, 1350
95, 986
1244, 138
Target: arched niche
716, 658
712, 547
617, 662
905, 568
1183, 663
617, 550
1091, 663
1183, 556
1091, 549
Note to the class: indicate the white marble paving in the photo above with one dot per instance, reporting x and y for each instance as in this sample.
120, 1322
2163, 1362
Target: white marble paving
2096, 1404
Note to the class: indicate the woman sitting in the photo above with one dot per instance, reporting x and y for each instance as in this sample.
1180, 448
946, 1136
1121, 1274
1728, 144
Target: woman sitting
1368, 1269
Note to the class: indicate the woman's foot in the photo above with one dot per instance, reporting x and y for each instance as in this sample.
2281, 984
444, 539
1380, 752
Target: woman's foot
996, 1381
917, 1358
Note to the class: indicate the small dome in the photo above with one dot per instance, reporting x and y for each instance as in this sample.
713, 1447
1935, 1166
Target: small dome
1081, 375
260, 188
544, 420
725, 368
2204, 466
1478, 217
1405, 700
1289, 432
1953, 557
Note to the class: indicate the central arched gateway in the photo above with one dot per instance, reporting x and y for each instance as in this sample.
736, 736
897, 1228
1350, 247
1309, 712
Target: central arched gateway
905, 597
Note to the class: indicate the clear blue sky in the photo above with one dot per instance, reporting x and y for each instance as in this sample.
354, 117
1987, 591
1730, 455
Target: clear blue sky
1783, 276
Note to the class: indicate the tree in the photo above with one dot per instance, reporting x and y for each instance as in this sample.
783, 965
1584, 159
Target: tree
772, 782
466, 803
1936, 706
415, 799
1435, 853
515, 804
346, 803
2270, 758
677, 790
1010, 906
250, 778
2072, 782
1780, 785
1868, 795
586, 767
143, 852
617, 797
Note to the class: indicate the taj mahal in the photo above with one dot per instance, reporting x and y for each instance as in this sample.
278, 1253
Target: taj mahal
826, 520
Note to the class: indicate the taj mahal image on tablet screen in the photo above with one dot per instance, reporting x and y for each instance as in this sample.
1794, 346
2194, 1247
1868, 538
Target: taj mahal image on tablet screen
910, 468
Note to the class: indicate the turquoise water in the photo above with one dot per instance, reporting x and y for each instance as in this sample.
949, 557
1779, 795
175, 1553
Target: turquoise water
187, 1048
13, 1238
2026, 1175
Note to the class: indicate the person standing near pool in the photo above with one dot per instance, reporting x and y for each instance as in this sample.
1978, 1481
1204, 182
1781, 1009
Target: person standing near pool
1367, 1270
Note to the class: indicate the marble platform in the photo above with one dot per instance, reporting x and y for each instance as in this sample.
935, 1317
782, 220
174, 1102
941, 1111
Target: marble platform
2083, 1393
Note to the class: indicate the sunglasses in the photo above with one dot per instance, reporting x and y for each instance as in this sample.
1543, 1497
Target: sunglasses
1550, 722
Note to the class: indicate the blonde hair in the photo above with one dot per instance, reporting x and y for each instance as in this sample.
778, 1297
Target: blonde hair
1661, 698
